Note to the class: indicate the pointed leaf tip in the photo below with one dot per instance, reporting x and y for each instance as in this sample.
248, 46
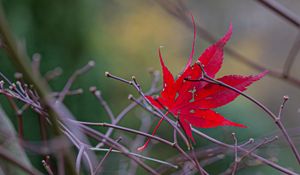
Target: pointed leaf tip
168, 81
193, 43
185, 124
236, 124
262, 74
227, 36
142, 148
212, 57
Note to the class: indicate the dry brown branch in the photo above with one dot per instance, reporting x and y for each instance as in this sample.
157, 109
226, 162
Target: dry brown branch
179, 10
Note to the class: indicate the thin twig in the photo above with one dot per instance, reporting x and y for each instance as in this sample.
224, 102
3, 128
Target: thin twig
136, 132
195, 162
266, 141
236, 159
291, 57
139, 156
263, 160
19, 117
180, 12
79, 157
204, 154
175, 134
161, 115
98, 167
287, 14
107, 74
54, 145
250, 141
36, 61
277, 120
127, 130
285, 99
43, 129
139, 139
14, 160
234, 166
176, 146
78, 91
99, 97
21, 61
52, 74
47, 167
115, 145
201, 170
82, 151
60, 164
69, 83
120, 116
156, 113
294, 19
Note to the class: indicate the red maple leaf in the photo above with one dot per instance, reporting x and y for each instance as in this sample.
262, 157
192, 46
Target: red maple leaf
192, 102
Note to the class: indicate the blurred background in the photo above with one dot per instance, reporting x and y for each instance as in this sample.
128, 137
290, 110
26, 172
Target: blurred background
122, 37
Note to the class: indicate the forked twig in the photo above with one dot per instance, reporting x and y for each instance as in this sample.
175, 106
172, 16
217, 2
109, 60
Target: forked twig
160, 115
99, 97
98, 167
139, 156
115, 145
276, 119
234, 166
69, 83
79, 157
267, 162
121, 115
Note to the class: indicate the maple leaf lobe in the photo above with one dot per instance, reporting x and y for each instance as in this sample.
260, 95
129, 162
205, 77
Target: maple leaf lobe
193, 102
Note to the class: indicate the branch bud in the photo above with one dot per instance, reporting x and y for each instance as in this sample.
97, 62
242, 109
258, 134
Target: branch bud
107, 74
130, 96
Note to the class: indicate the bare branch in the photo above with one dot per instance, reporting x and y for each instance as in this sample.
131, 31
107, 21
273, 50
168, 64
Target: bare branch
139, 156
180, 12
127, 130
98, 167
47, 167
285, 13
263, 160
259, 104
99, 97
52, 74
153, 89
236, 159
115, 145
36, 61
291, 57
78, 159
285, 99
71, 80
12, 159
